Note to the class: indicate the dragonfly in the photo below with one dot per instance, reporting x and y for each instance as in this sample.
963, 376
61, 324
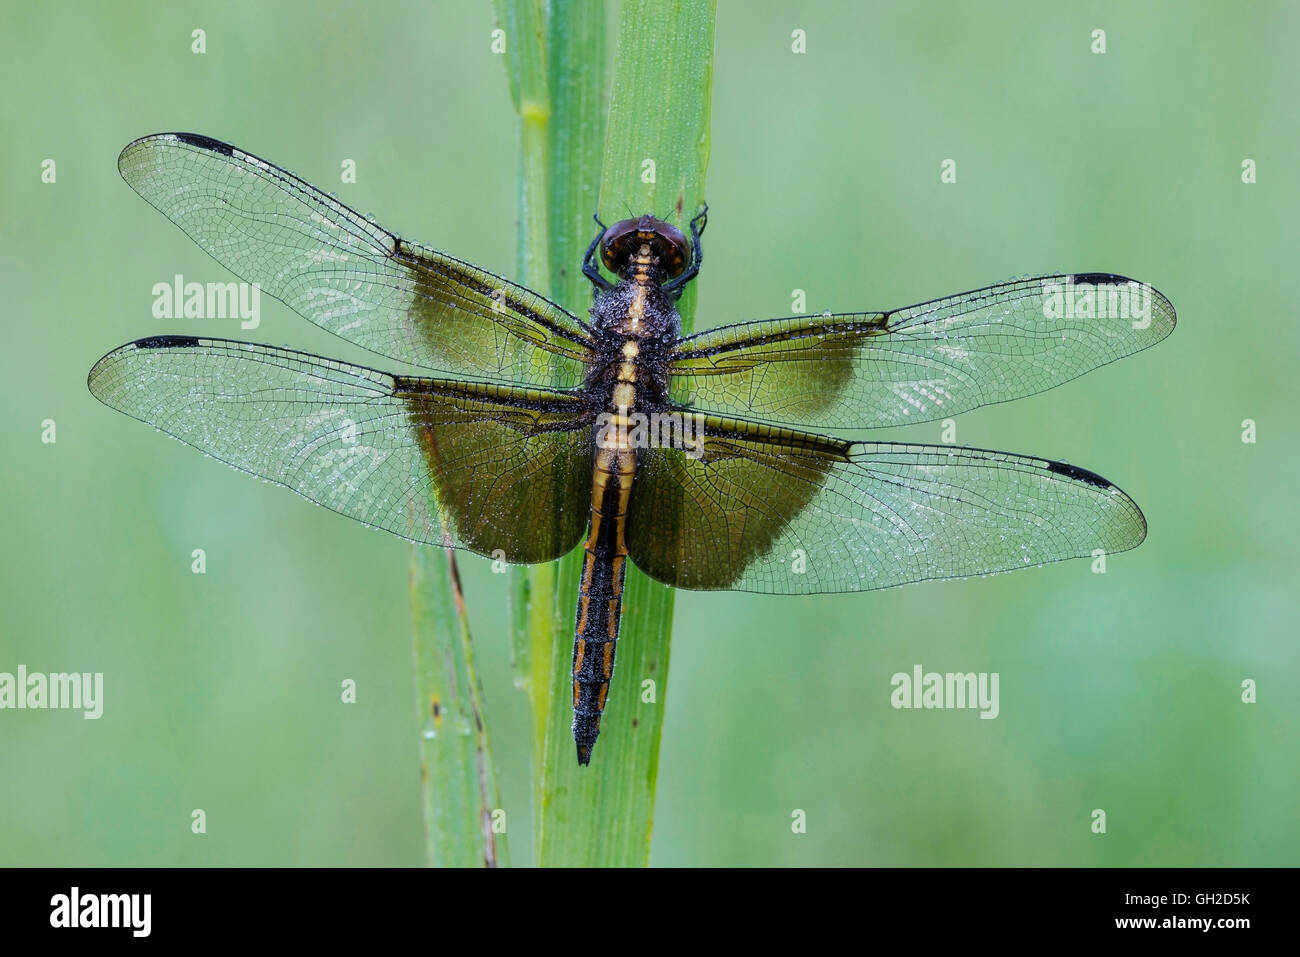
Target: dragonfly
704, 460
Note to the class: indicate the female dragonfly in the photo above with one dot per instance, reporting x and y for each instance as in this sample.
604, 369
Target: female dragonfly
689, 456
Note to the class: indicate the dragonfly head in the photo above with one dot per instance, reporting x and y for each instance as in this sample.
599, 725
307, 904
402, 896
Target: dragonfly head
636, 243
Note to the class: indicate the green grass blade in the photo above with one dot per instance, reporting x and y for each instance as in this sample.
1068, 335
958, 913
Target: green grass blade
457, 775
602, 815
557, 82
659, 110
457, 778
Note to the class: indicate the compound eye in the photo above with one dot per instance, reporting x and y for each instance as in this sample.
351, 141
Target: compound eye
608, 256
674, 251
623, 239
616, 244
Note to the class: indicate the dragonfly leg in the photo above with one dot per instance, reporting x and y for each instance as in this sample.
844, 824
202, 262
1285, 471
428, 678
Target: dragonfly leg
701, 220
590, 268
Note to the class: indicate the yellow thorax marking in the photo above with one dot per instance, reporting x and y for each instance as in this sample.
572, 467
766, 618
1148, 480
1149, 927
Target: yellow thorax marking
636, 308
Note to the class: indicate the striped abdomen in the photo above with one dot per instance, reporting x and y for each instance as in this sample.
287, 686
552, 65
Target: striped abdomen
600, 597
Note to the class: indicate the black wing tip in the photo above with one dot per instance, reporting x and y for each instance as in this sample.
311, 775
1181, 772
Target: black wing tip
206, 143
151, 342
1115, 279
167, 342
584, 754
189, 139
1100, 278
1089, 477
1079, 474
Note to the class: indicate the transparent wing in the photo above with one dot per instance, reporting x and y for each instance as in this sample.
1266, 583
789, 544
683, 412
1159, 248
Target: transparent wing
924, 362
494, 469
774, 510
349, 275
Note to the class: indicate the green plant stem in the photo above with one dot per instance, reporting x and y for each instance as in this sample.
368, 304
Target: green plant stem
458, 783
457, 775
659, 111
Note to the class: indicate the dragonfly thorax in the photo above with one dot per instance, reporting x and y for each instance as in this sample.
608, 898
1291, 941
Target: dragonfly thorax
636, 309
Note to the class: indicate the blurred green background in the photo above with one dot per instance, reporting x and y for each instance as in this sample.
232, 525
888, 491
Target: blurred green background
1118, 691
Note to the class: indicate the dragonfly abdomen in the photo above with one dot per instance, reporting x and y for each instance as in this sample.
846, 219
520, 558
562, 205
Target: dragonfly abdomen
600, 596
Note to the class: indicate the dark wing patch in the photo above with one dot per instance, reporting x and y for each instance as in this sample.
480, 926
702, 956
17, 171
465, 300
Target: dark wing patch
782, 512
497, 470
701, 521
